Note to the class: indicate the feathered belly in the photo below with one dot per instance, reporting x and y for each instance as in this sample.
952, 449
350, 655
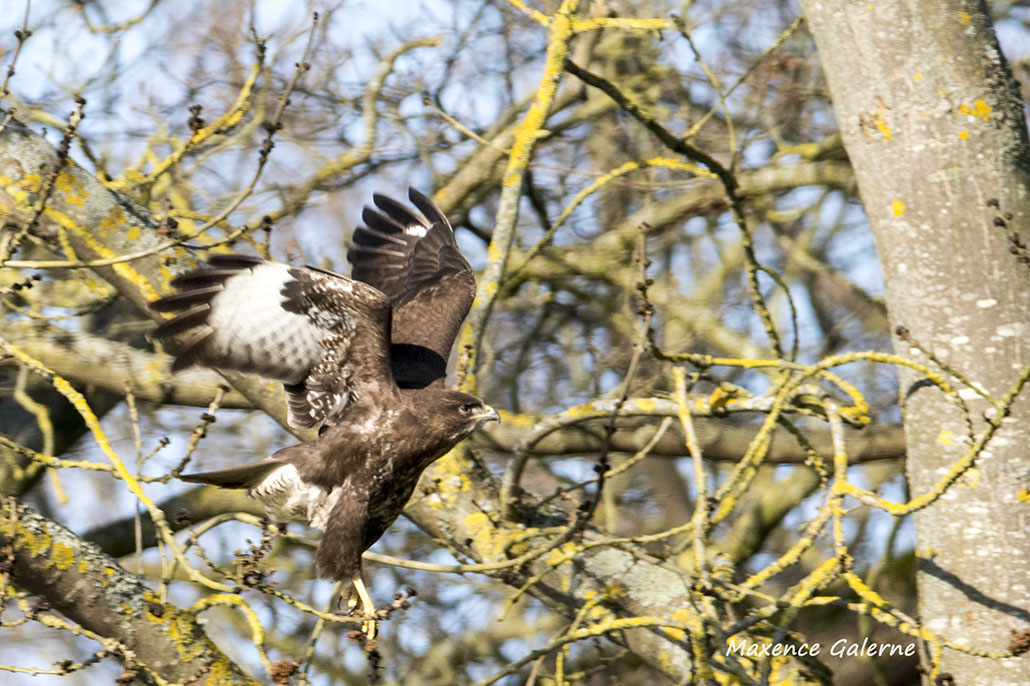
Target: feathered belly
289, 499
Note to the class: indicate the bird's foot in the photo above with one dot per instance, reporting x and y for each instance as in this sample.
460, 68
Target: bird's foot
358, 595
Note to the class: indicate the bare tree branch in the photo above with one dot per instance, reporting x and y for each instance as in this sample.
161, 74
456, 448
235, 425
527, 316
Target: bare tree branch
92, 590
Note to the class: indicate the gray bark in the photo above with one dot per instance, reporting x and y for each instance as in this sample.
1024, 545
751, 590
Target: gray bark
934, 127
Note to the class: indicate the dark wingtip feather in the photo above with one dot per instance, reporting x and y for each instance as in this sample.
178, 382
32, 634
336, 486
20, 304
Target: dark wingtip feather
377, 221
192, 355
189, 319
203, 277
396, 211
427, 207
234, 261
184, 300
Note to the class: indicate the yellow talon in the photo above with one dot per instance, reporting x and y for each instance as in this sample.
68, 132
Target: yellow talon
370, 627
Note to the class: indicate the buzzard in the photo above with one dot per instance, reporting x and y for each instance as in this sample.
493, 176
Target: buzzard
362, 359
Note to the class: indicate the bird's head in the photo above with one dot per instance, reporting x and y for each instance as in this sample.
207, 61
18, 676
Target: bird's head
465, 413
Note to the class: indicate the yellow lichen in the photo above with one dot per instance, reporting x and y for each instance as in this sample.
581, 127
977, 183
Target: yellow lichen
897, 208
674, 633
31, 182
963, 135
113, 221
489, 541
450, 478
73, 192
647, 404
63, 556
493, 253
561, 554
219, 673
681, 615
64, 182
585, 410
37, 543
945, 437
980, 110
882, 127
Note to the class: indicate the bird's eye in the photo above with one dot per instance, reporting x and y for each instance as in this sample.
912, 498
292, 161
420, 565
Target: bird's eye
466, 408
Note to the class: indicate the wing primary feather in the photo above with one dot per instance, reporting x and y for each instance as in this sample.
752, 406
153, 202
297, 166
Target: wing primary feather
370, 236
184, 300
427, 207
189, 319
382, 251
193, 354
234, 261
397, 212
381, 222
201, 278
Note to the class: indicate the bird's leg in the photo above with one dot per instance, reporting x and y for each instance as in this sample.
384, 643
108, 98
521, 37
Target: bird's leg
370, 627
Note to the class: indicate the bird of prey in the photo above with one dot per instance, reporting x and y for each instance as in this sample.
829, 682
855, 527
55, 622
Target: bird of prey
362, 359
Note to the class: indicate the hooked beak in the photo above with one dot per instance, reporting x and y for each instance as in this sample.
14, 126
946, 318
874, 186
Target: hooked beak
488, 414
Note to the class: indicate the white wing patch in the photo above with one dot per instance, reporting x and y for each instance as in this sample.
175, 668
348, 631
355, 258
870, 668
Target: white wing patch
289, 499
416, 230
325, 336
281, 344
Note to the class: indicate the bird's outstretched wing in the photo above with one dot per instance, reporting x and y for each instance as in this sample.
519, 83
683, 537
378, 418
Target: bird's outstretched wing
414, 259
325, 336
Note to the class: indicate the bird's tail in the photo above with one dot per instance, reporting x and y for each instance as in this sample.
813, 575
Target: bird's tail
244, 476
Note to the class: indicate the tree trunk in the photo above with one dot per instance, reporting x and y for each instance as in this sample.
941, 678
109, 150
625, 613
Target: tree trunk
934, 127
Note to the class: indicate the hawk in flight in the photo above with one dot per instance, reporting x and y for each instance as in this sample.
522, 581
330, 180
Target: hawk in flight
362, 359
